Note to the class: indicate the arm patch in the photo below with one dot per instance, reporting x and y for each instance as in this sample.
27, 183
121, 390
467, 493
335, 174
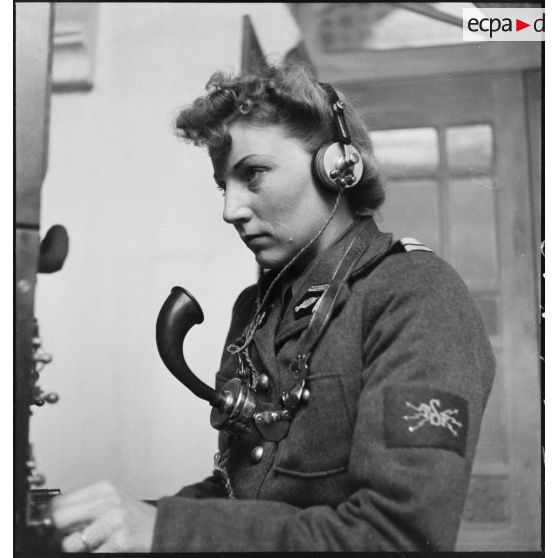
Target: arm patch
424, 417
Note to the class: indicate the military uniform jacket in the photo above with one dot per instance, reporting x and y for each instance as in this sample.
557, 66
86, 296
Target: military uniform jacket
380, 456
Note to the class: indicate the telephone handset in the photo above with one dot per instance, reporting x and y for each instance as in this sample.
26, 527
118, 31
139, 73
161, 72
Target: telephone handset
234, 404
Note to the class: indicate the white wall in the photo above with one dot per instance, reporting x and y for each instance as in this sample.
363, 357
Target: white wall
143, 214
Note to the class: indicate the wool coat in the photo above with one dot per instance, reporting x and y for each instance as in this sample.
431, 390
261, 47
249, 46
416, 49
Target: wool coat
379, 458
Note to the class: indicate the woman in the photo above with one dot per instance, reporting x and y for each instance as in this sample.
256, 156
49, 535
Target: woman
366, 358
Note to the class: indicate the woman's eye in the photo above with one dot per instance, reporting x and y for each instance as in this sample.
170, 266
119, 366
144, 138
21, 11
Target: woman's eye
254, 175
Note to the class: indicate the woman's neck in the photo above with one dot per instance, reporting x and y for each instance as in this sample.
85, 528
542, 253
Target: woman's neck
342, 220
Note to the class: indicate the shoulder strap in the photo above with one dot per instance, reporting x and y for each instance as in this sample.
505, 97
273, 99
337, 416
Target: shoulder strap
320, 319
408, 244
322, 315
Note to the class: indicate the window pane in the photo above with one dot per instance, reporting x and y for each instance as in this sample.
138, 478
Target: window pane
472, 231
379, 26
411, 210
404, 28
406, 151
470, 148
347, 26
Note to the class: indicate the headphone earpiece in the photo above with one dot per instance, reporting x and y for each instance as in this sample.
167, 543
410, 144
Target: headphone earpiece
330, 166
338, 166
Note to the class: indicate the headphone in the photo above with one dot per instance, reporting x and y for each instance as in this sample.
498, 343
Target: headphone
338, 166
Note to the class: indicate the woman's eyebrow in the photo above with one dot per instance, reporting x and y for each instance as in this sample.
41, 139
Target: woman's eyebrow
238, 164
223, 171
265, 156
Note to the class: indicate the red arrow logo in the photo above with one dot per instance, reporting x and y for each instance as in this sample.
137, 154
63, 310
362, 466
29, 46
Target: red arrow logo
519, 24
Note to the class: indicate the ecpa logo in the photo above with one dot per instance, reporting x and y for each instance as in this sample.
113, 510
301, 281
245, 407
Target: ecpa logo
503, 24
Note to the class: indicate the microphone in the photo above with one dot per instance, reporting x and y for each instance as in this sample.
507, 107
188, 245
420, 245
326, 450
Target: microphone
234, 405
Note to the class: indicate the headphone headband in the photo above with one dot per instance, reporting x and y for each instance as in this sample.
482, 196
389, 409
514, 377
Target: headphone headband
337, 165
338, 111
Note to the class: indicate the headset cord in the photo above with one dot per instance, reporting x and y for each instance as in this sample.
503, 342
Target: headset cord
250, 330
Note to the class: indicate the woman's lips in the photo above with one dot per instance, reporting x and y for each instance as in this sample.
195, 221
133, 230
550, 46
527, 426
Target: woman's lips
255, 240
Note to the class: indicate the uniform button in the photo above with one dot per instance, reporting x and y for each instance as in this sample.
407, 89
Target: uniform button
256, 455
263, 382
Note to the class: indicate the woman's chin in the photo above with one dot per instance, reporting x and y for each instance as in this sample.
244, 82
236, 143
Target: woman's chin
269, 260
272, 259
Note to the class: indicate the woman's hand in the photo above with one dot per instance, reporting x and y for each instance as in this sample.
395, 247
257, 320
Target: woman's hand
102, 518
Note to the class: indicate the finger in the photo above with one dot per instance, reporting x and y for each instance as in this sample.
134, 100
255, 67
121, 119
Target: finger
103, 531
73, 517
102, 535
69, 511
76, 542
115, 543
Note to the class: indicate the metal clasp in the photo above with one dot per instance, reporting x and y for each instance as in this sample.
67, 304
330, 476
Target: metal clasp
269, 417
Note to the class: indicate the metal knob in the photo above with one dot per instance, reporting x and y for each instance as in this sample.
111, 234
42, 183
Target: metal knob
36, 479
263, 382
354, 158
256, 454
52, 398
43, 357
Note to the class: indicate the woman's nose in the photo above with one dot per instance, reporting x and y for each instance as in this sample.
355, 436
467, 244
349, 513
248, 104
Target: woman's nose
237, 208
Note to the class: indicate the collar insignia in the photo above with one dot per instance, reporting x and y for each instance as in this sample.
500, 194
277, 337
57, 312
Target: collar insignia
309, 301
412, 244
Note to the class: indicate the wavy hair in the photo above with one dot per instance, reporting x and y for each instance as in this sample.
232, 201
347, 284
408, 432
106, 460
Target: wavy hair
280, 95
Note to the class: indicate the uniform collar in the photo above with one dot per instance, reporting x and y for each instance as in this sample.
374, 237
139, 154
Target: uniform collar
321, 269
319, 272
